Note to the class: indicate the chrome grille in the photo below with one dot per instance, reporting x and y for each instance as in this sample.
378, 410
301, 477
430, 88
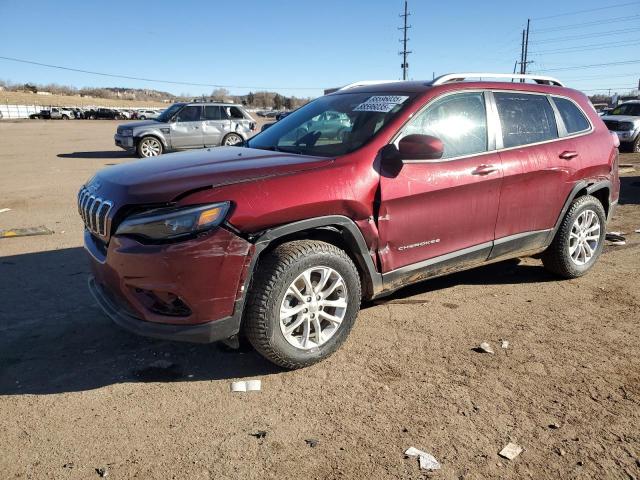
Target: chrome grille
94, 212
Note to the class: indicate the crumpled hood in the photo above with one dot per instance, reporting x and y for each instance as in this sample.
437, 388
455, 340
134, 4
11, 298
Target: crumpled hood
162, 179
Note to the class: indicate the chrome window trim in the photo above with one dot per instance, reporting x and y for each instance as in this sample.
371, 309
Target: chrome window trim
498, 131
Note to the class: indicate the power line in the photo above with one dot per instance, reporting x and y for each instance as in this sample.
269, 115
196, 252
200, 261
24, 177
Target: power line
633, 87
587, 10
59, 67
583, 36
595, 65
596, 46
586, 24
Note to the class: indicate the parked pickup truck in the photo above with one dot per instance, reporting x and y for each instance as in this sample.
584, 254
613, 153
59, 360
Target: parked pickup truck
54, 113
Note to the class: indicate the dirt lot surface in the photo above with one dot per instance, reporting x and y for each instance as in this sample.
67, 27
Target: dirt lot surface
78, 394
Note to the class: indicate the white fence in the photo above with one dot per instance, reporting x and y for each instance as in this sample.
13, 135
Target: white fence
23, 111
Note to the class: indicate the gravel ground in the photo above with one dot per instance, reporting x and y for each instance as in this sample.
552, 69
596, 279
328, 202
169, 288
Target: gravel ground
78, 394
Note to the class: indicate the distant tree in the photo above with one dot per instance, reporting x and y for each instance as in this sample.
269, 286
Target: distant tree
278, 101
220, 94
251, 98
288, 103
30, 87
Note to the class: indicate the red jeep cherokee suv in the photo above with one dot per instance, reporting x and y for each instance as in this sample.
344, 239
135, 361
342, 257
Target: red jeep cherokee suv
351, 197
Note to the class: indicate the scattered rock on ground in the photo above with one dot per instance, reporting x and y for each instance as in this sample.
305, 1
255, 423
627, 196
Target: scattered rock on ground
504, 344
510, 451
484, 347
102, 472
426, 460
259, 434
312, 442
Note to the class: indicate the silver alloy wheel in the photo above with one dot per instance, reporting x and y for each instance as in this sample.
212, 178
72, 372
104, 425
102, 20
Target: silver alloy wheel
584, 237
313, 308
150, 147
232, 139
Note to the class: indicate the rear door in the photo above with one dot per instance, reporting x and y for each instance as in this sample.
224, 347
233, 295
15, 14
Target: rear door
443, 210
215, 125
538, 167
186, 130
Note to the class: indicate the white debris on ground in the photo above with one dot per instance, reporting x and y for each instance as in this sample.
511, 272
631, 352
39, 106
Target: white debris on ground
510, 451
246, 386
2, 210
426, 460
504, 344
485, 347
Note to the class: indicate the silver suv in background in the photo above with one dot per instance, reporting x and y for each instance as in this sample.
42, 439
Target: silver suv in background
185, 126
624, 121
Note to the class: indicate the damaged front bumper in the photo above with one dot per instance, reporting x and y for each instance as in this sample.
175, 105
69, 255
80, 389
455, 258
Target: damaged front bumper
188, 291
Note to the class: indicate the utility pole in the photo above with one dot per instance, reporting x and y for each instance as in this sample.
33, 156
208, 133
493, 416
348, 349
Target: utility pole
404, 40
526, 47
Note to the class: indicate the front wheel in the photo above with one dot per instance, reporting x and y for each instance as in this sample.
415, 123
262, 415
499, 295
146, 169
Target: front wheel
149, 147
303, 303
579, 240
65, 117
232, 139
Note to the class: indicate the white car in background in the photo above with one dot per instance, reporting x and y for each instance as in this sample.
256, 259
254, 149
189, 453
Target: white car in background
148, 114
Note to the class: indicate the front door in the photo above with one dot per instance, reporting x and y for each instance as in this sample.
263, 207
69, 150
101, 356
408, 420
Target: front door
215, 126
443, 210
186, 130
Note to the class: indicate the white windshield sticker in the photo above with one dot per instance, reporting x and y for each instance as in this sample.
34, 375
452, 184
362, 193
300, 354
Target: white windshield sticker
380, 103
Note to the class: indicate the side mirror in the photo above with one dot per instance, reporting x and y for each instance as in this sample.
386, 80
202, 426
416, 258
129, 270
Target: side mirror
420, 147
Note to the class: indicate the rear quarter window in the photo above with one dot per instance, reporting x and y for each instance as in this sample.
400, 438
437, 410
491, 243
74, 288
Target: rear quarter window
525, 118
573, 118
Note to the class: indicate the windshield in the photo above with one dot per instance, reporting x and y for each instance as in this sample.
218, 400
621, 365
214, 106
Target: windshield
627, 109
332, 125
166, 115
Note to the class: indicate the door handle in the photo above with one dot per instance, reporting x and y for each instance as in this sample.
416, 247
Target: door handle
484, 170
568, 155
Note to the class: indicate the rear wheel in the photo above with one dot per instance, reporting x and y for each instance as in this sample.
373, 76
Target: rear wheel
579, 240
232, 139
303, 303
65, 117
149, 147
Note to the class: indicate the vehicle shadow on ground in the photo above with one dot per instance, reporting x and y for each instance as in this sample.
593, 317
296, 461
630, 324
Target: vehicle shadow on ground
96, 154
629, 190
54, 338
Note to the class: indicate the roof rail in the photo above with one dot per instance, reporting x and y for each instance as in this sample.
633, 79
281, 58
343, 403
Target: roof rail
459, 77
364, 83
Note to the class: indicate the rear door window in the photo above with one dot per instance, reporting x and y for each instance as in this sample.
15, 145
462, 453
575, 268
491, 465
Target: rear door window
214, 112
573, 118
458, 120
525, 118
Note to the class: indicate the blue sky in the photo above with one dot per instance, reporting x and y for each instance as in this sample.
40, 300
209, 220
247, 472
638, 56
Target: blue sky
300, 47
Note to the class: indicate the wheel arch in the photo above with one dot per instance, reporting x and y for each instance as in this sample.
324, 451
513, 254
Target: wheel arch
139, 136
335, 229
600, 189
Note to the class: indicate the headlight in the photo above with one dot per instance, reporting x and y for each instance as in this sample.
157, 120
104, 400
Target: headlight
172, 223
126, 132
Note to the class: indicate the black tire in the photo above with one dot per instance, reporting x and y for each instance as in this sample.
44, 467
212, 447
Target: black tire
234, 138
557, 258
65, 117
635, 146
275, 273
142, 117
